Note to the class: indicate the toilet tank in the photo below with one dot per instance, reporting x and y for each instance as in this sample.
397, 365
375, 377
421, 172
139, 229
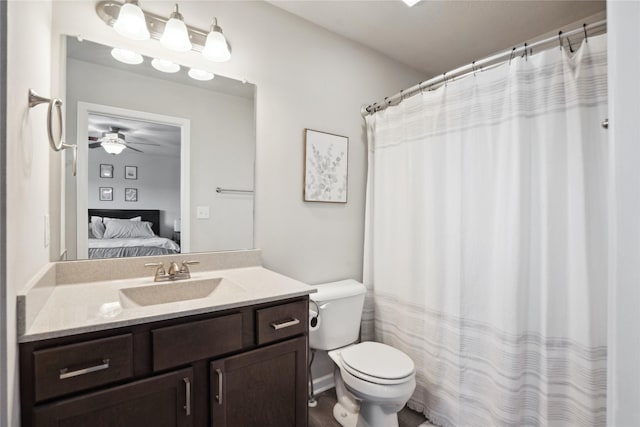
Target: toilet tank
340, 311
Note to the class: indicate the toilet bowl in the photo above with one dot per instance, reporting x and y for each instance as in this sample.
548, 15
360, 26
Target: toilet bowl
373, 380
378, 377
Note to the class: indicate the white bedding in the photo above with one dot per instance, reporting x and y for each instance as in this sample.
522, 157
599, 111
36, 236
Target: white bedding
147, 242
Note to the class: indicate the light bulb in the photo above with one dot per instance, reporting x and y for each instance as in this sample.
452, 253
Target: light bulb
131, 22
201, 75
126, 56
165, 66
216, 48
176, 35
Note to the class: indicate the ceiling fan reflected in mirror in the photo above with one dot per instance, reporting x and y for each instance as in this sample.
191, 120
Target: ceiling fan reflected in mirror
114, 142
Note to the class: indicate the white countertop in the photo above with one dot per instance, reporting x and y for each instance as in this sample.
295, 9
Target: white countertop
79, 308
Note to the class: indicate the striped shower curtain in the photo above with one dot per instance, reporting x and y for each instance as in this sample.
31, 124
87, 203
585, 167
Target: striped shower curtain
486, 241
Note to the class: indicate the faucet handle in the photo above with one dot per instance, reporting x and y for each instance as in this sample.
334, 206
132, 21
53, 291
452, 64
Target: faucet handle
186, 264
156, 264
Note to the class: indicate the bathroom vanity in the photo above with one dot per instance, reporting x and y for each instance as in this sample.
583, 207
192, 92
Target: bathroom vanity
238, 359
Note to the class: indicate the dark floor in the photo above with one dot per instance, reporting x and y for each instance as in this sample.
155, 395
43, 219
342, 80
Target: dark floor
322, 415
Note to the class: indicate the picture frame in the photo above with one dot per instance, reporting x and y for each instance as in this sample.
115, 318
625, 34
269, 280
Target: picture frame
326, 167
105, 194
130, 194
130, 172
106, 171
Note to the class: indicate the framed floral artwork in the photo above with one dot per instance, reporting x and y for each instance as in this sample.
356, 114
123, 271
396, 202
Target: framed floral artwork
106, 194
325, 167
130, 194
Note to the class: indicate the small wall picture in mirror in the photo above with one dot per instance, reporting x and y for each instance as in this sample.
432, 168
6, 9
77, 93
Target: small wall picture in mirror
106, 171
131, 172
325, 167
130, 194
106, 194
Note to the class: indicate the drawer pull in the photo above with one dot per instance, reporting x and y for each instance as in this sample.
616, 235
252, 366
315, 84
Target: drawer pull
64, 373
187, 389
219, 395
286, 324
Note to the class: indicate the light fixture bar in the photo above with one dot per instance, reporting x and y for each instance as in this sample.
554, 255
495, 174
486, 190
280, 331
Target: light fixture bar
108, 11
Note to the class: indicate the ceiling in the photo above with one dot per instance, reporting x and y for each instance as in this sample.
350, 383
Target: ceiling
434, 37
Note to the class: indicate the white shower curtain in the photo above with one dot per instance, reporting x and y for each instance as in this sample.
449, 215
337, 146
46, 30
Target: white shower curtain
486, 241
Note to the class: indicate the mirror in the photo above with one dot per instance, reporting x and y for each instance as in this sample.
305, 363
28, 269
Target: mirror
184, 168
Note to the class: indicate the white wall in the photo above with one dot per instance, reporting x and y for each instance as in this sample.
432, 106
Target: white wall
158, 184
306, 77
222, 146
28, 156
623, 394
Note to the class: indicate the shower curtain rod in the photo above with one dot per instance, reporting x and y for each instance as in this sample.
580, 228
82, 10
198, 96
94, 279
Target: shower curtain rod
477, 66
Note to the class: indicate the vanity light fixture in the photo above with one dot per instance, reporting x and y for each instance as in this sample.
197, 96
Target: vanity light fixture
127, 56
176, 35
131, 22
216, 48
165, 66
201, 75
173, 33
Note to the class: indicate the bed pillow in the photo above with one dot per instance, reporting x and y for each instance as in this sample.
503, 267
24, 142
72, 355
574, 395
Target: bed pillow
90, 233
125, 229
106, 219
97, 227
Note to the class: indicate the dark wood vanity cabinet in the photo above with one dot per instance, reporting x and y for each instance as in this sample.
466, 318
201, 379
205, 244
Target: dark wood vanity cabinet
242, 367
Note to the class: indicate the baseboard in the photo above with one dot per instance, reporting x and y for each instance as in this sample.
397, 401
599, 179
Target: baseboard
323, 383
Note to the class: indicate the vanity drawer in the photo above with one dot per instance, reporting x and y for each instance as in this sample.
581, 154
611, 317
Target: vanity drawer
75, 367
281, 321
182, 344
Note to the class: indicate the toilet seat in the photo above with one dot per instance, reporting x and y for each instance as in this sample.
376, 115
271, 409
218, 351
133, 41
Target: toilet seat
377, 363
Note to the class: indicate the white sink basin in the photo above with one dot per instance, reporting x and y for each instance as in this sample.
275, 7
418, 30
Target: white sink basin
164, 293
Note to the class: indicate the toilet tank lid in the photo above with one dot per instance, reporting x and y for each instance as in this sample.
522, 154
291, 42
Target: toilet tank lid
339, 289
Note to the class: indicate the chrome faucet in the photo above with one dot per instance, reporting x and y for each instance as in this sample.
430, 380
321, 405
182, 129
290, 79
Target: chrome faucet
174, 272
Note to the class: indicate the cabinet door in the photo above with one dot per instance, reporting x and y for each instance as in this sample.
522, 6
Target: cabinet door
266, 387
163, 400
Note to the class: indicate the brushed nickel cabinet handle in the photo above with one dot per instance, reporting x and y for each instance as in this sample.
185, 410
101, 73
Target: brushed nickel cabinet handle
187, 389
65, 373
219, 395
286, 324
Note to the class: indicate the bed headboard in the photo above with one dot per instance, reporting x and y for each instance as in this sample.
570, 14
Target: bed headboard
151, 215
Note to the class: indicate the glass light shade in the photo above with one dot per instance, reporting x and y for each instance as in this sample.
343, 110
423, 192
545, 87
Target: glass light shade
131, 22
113, 147
126, 56
216, 48
201, 75
410, 2
176, 36
165, 66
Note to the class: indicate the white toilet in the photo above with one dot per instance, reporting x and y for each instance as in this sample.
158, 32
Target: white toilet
373, 381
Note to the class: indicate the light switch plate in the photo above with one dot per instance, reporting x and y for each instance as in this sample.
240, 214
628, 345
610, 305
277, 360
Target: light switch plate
202, 212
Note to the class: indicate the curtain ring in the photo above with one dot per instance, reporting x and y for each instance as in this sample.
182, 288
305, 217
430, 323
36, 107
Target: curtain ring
386, 100
402, 95
511, 55
526, 53
421, 88
444, 76
560, 39
473, 68
584, 27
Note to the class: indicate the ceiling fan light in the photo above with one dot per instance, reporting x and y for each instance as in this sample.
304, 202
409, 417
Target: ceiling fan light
176, 35
113, 147
126, 56
131, 22
201, 75
165, 66
216, 47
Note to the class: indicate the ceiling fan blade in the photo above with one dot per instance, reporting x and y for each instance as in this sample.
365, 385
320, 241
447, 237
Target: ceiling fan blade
95, 145
93, 138
134, 149
143, 143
